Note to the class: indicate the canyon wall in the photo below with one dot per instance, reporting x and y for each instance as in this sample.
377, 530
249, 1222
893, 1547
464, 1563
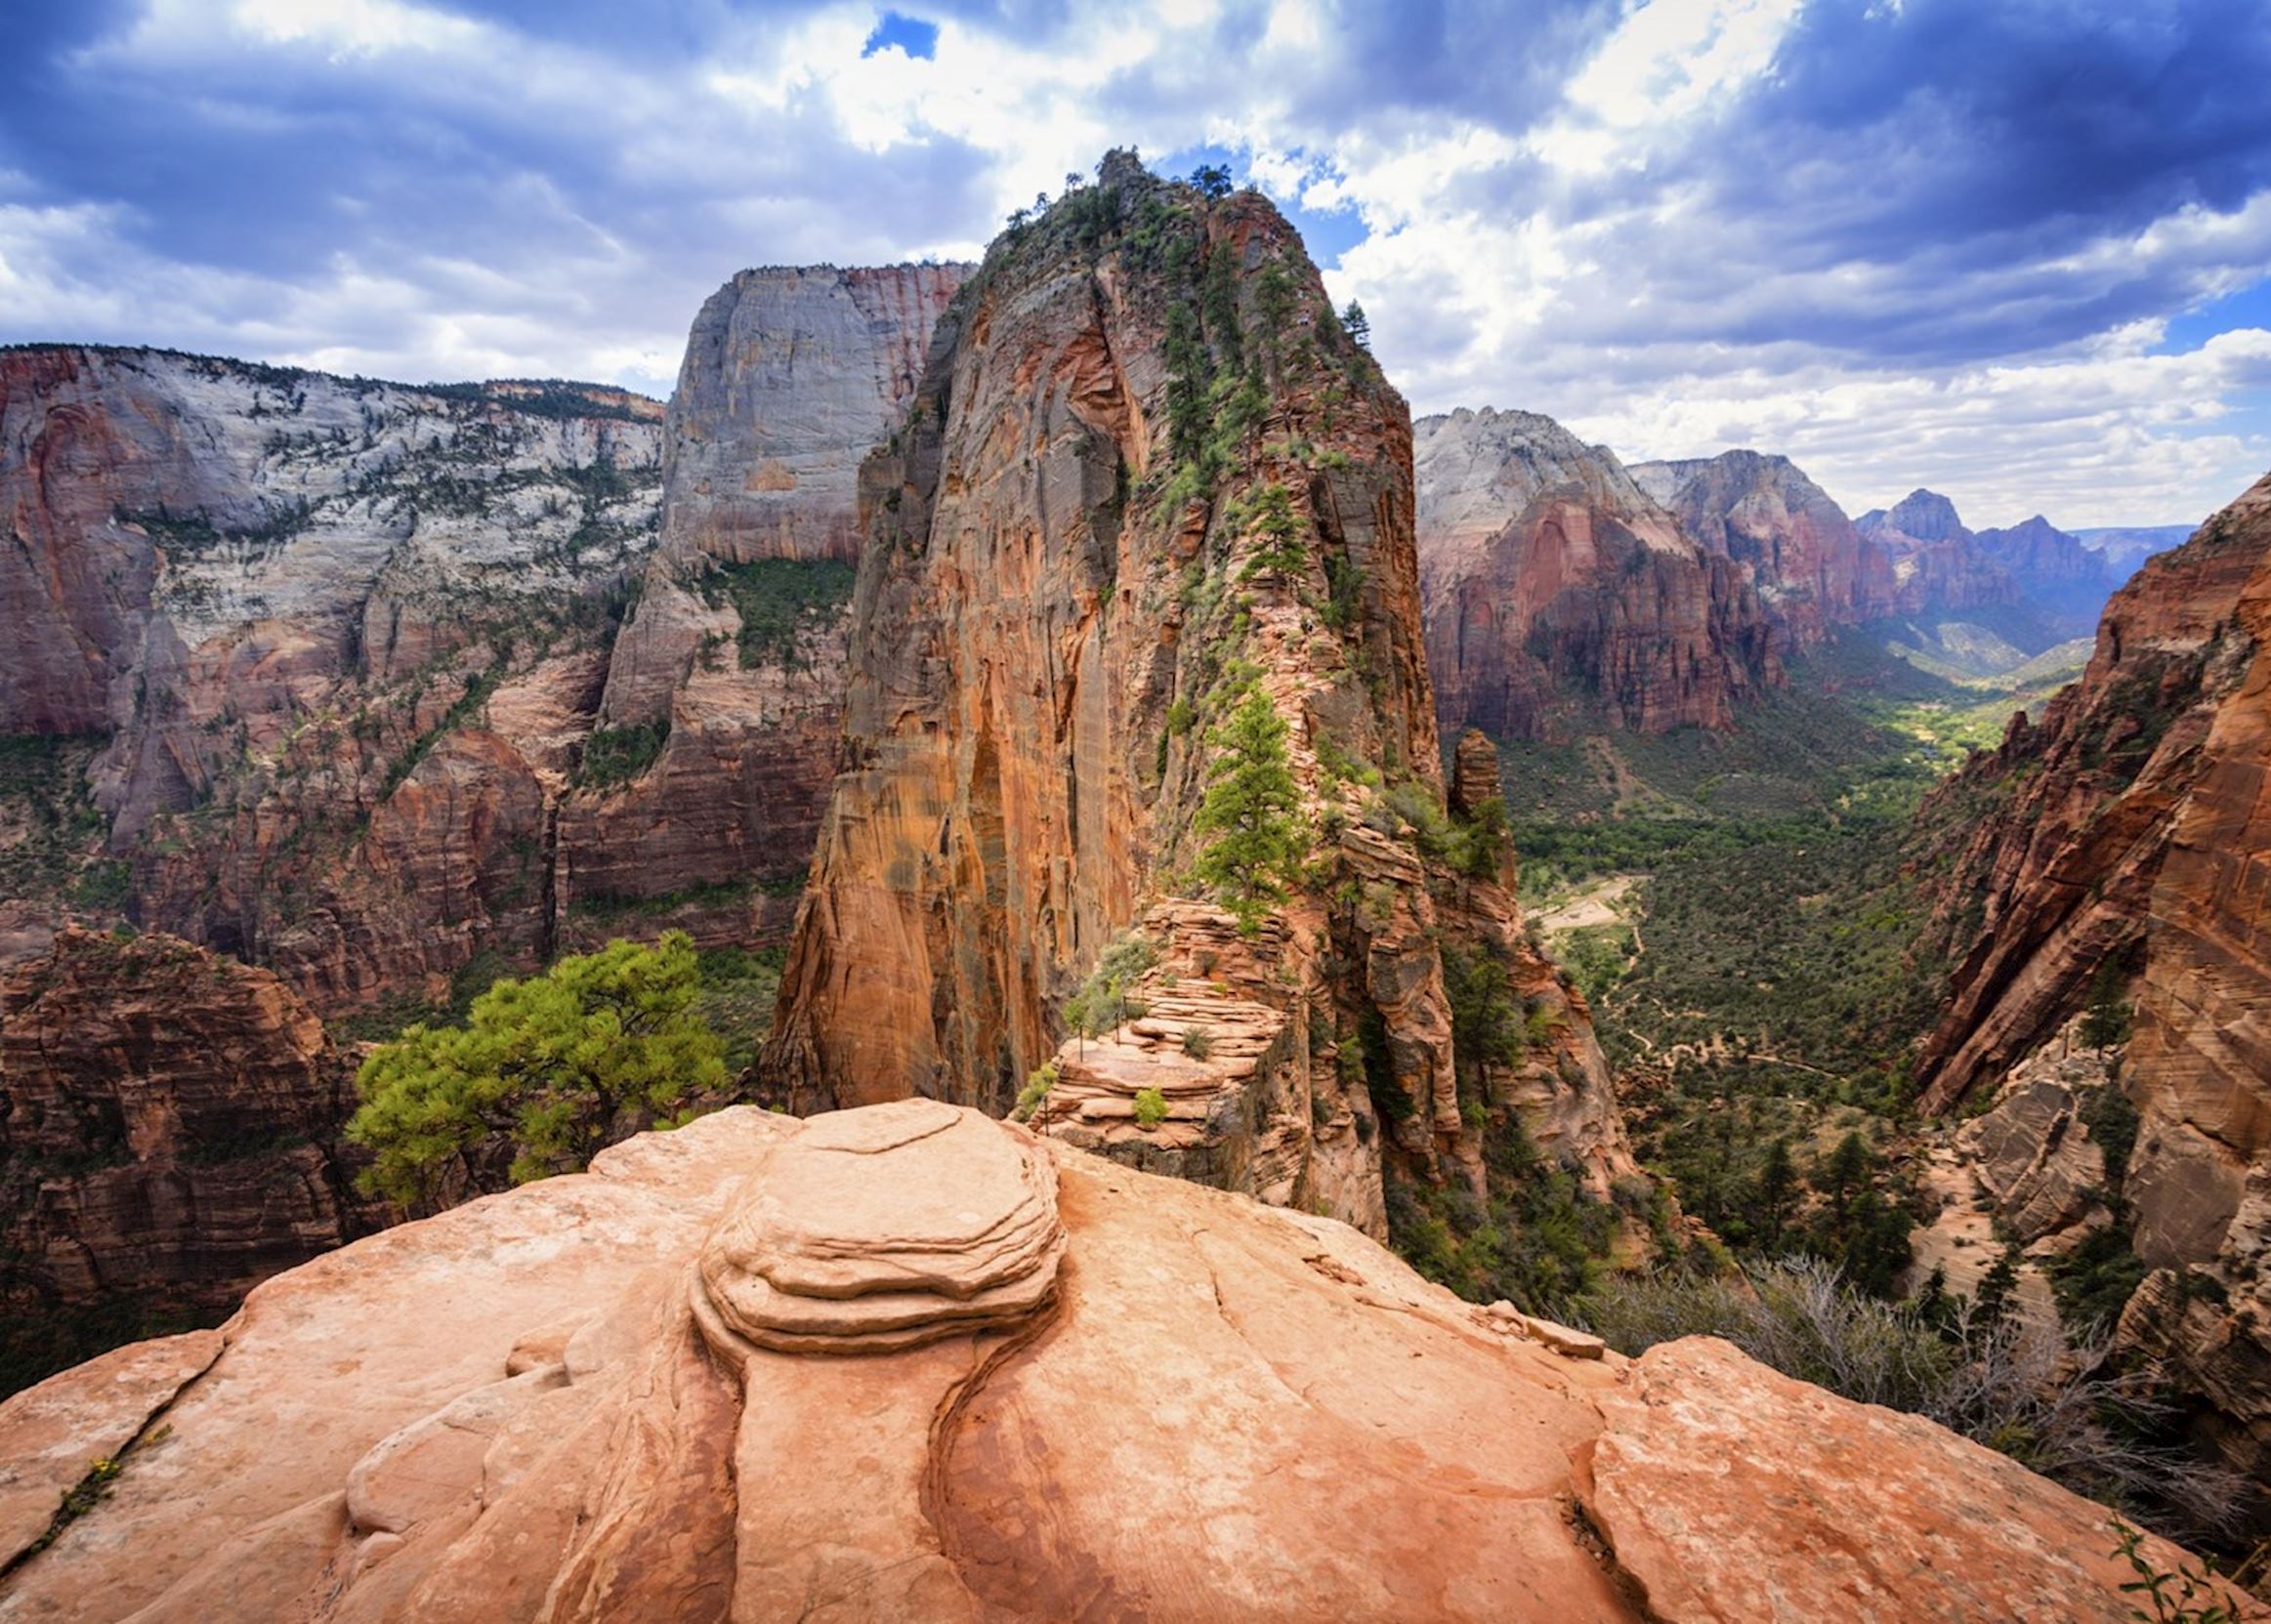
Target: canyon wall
1811, 565
335, 676
1146, 478
672, 1388
169, 1125
329, 649
729, 678
2124, 845
1561, 598
1937, 566
2054, 571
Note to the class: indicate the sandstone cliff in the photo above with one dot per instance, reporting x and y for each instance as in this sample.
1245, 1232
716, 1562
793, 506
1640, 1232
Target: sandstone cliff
326, 673
168, 1123
908, 1363
1147, 476
1811, 565
2054, 570
2126, 843
332, 645
730, 673
1937, 566
1561, 598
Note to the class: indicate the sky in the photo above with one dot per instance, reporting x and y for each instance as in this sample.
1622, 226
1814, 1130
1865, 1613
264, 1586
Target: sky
2018, 251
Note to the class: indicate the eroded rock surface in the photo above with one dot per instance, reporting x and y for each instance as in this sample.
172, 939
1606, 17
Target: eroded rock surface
514, 1411
169, 1125
732, 671
1146, 475
1560, 596
1812, 566
2123, 848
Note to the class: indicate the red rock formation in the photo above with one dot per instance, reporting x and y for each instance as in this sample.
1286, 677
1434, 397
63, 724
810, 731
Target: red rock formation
337, 636
1561, 598
2053, 570
550, 1405
167, 1129
1937, 566
1077, 565
2132, 827
1812, 567
791, 376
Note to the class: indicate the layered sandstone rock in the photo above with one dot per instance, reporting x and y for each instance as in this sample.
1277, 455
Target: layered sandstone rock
517, 1411
736, 653
1811, 565
2126, 843
2053, 570
336, 641
1561, 597
168, 1128
1937, 564
1146, 475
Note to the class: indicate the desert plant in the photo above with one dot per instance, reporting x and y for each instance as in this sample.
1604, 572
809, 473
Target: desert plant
1198, 1042
1151, 1107
1036, 1088
1251, 811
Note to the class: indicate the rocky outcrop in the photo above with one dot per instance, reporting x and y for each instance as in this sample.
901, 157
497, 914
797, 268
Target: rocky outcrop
1561, 598
537, 1406
2124, 845
2054, 571
168, 1138
730, 675
1811, 565
1147, 478
1937, 564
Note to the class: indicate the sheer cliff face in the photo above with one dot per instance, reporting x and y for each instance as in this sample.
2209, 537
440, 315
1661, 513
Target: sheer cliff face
330, 647
167, 1124
1144, 475
1937, 564
1560, 595
1812, 567
2053, 569
2133, 828
342, 658
734, 657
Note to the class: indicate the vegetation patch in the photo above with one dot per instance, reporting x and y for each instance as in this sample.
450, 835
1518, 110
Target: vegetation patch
777, 600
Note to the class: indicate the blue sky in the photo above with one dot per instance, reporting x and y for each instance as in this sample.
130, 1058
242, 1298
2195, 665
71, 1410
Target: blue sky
2016, 250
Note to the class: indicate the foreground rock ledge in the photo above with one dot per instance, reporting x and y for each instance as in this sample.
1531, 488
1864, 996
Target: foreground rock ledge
550, 1404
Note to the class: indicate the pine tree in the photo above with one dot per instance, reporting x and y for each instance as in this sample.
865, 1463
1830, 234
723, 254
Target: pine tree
1357, 324
1778, 1190
555, 1068
1849, 1170
1251, 811
1998, 1289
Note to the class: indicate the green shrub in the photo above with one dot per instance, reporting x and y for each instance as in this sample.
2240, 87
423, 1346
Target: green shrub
1151, 1107
617, 754
1101, 1002
1198, 1042
776, 599
1036, 1089
552, 1070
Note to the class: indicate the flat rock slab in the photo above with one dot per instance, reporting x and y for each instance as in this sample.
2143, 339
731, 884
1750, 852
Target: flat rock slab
1732, 1494
52, 1434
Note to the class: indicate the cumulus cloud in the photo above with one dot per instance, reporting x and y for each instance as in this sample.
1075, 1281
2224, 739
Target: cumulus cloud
1928, 241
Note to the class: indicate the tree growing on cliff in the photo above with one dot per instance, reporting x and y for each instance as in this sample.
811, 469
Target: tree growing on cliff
1357, 324
1251, 811
552, 1070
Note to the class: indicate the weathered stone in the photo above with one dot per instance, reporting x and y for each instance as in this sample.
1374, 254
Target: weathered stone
1937, 564
1230, 1411
1049, 633
1726, 1491
168, 1133
1559, 592
2132, 829
1812, 567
